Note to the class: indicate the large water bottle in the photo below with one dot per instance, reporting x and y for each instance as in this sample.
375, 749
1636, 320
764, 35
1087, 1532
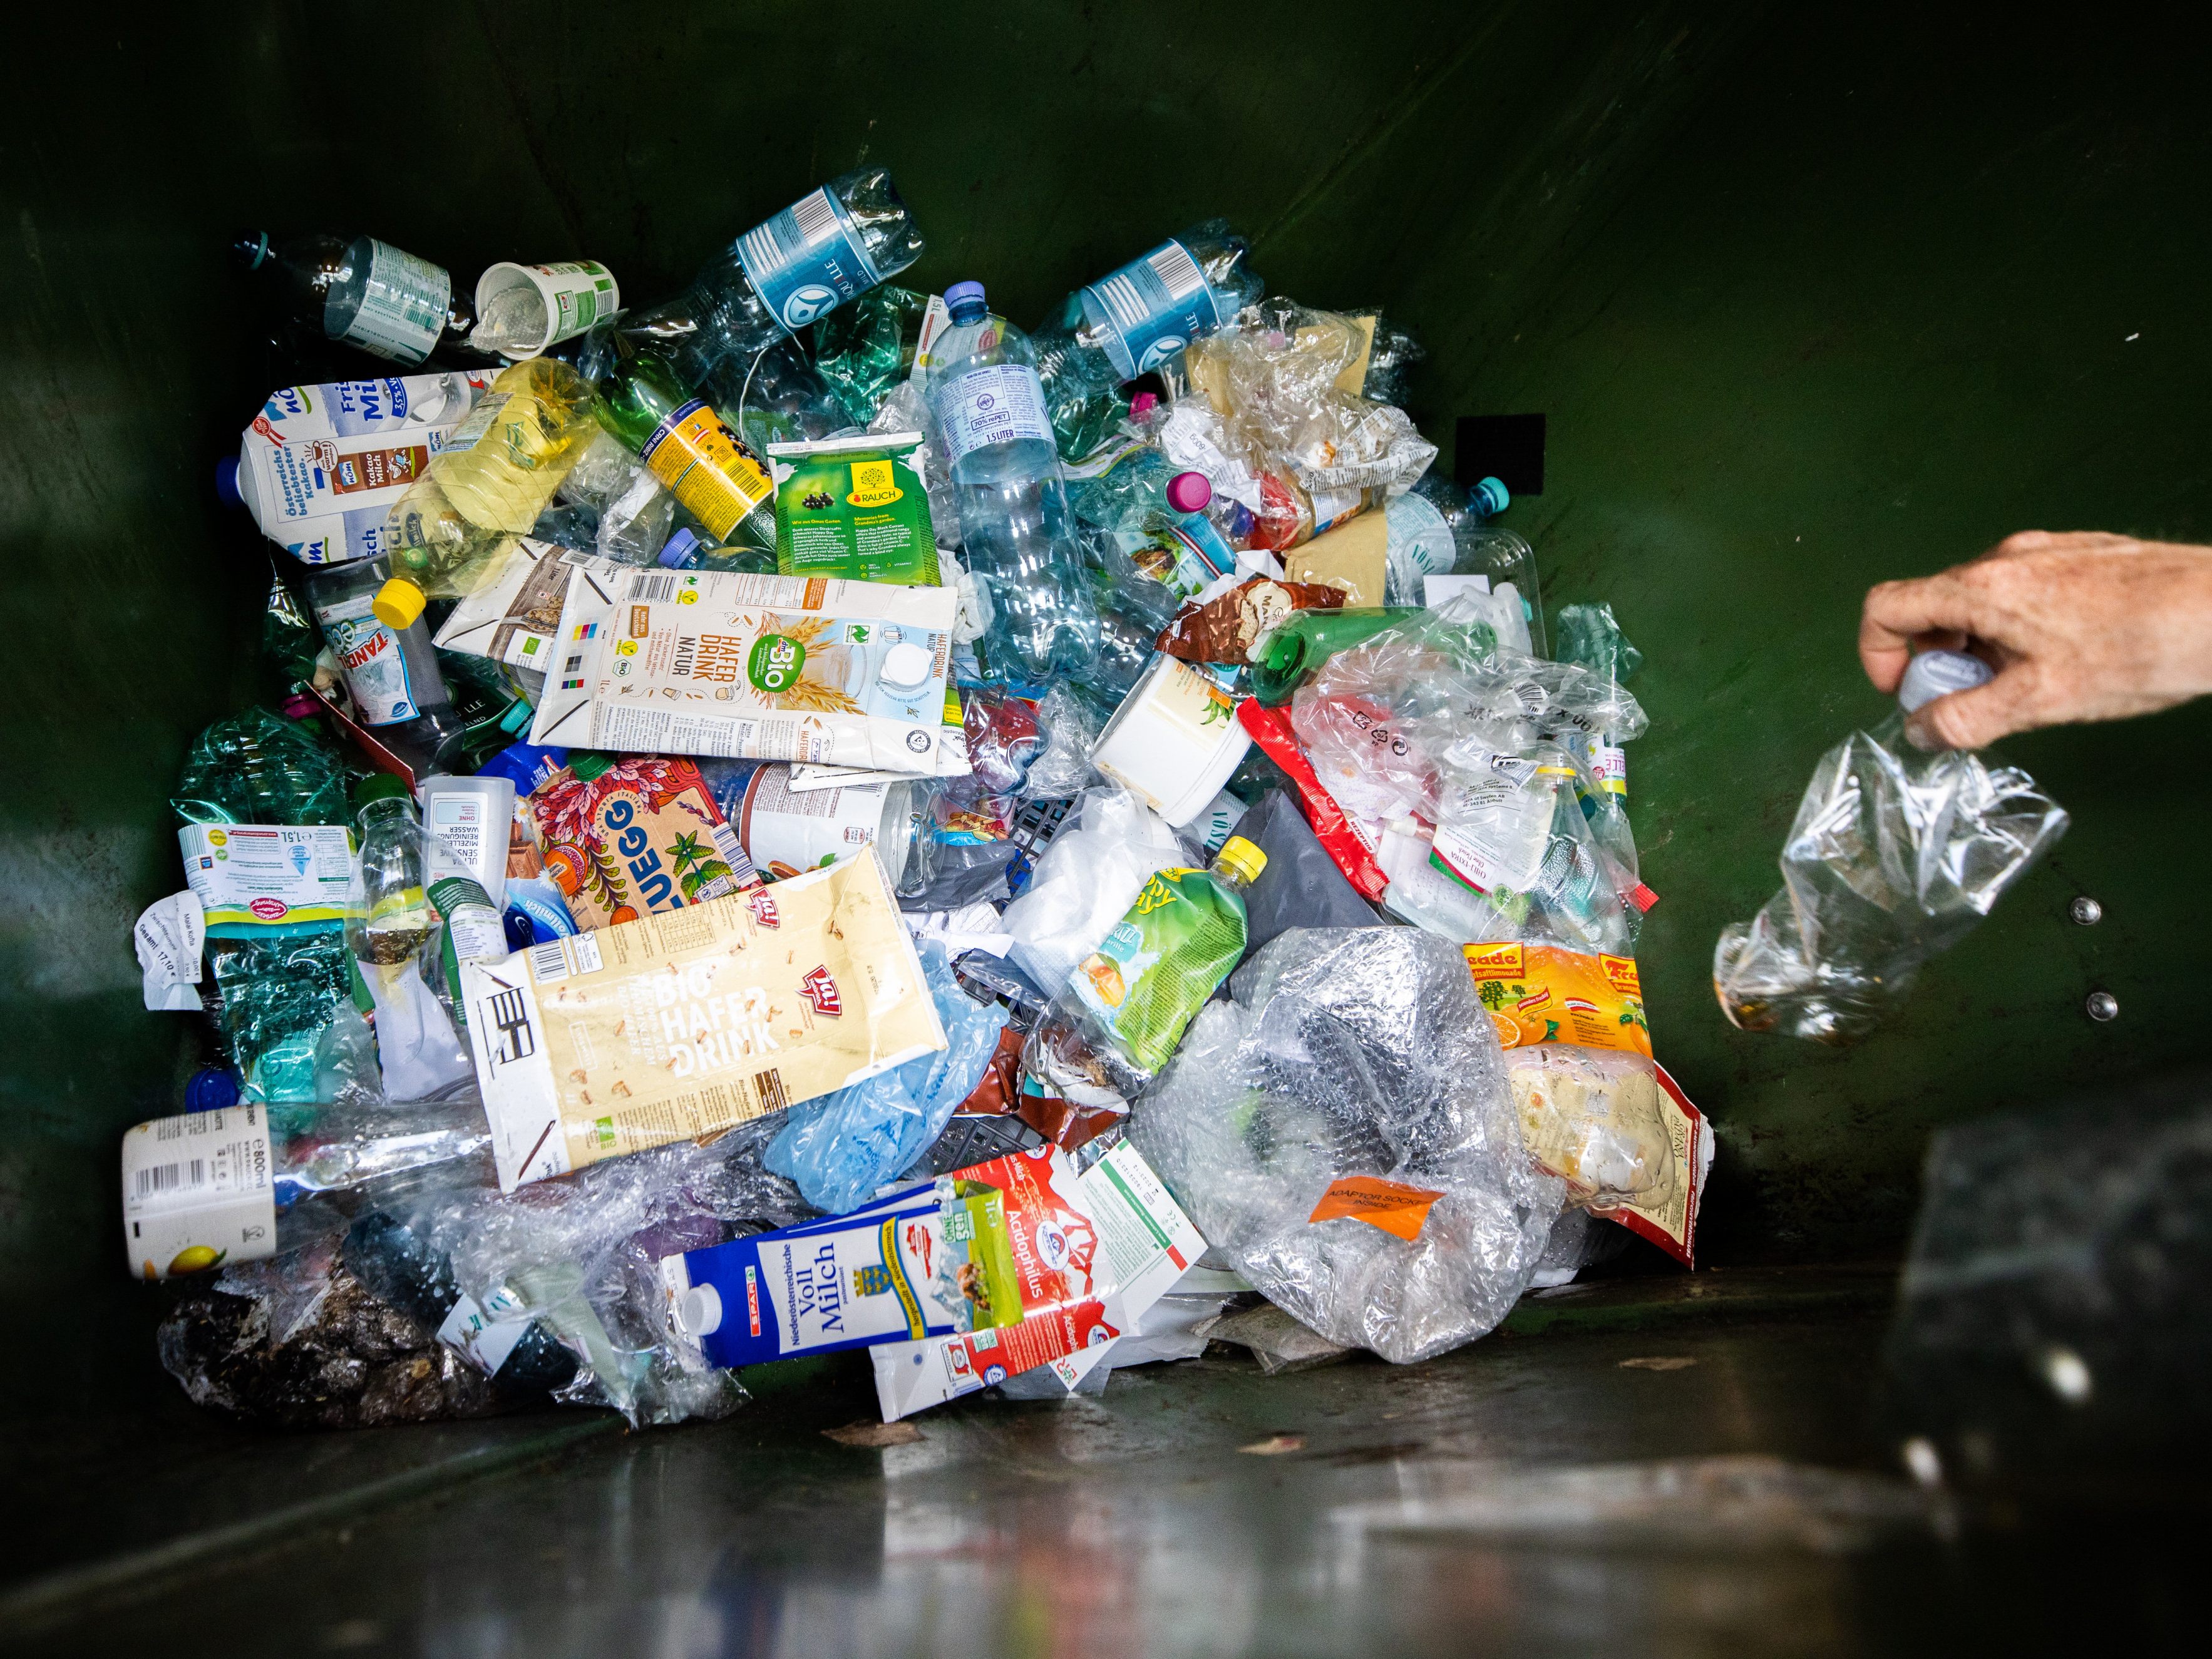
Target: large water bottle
1018, 535
1133, 320
1437, 529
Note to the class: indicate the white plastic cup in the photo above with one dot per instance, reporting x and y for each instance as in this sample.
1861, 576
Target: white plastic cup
577, 294
1174, 741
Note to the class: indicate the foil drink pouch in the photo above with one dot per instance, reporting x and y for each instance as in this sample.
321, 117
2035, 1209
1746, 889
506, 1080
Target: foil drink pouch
855, 508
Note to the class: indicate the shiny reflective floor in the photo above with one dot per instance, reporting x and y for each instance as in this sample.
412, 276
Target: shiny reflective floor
1677, 1471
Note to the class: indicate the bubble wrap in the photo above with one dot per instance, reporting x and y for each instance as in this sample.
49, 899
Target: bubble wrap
1355, 1052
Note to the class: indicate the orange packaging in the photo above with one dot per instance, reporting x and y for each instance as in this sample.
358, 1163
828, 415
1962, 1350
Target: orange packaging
1393, 1206
1543, 994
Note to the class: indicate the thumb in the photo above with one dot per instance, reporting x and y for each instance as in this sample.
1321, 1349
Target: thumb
1975, 719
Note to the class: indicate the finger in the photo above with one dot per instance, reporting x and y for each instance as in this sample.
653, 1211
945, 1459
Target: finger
1975, 719
1897, 613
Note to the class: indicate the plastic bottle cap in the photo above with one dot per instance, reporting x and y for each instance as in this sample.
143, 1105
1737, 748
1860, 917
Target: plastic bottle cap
1143, 404
1189, 492
226, 482
212, 1088
1492, 496
398, 603
1934, 674
382, 786
678, 548
1241, 858
517, 719
964, 296
587, 767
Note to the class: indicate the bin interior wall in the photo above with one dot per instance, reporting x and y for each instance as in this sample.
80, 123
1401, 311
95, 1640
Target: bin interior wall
1811, 296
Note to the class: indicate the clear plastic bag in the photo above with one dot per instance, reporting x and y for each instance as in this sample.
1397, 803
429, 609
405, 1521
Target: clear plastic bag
1276, 378
1071, 729
1085, 881
842, 1148
1358, 1053
1376, 720
1894, 856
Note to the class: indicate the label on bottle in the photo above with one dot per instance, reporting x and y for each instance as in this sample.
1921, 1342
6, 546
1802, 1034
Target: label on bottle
807, 260
198, 1192
1498, 822
252, 875
472, 927
707, 467
403, 306
457, 839
485, 1336
1609, 764
1003, 404
1420, 540
465, 435
368, 651
1331, 507
1151, 308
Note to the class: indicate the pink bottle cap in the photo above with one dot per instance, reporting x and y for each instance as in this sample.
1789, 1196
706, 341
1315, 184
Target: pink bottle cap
1143, 404
1189, 492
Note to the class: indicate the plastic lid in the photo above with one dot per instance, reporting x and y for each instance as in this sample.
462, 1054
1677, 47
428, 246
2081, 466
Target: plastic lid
962, 296
250, 248
1491, 495
1934, 674
517, 719
212, 1088
226, 482
1143, 404
1241, 858
398, 603
1189, 492
678, 548
587, 767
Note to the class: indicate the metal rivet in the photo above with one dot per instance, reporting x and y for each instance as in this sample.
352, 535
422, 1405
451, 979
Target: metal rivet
2086, 911
2102, 1006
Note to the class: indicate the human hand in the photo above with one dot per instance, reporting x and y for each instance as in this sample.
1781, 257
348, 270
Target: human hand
2079, 626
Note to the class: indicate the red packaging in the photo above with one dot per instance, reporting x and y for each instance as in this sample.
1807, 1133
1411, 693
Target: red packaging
1271, 730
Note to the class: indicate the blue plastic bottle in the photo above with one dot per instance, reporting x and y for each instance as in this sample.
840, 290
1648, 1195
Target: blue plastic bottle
1017, 535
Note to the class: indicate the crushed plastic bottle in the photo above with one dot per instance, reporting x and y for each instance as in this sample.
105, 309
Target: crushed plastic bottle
1135, 320
364, 293
1894, 856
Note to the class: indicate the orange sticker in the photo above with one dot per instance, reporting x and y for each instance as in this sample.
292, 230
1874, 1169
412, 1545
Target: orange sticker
1542, 993
1392, 1206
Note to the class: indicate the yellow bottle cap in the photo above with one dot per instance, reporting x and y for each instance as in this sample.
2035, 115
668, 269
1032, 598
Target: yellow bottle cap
398, 601
1242, 858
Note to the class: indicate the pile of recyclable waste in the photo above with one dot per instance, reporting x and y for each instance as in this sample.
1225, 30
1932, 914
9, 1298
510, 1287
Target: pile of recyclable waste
802, 816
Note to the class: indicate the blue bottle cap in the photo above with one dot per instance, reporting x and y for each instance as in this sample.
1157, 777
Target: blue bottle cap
212, 1088
1934, 674
226, 482
1491, 495
964, 296
517, 719
678, 549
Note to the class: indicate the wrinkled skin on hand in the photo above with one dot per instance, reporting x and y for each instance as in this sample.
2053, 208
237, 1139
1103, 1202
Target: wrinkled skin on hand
2080, 626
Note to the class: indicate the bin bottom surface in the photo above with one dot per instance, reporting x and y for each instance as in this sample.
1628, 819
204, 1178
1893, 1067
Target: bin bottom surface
1678, 1465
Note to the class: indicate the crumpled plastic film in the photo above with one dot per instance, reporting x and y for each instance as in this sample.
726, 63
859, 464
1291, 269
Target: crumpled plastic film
1593, 1117
1085, 883
1894, 856
842, 1148
583, 1255
1275, 377
1376, 720
1355, 1053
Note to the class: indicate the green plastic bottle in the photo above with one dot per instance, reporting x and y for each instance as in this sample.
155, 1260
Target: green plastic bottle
1142, 988
711, 472
1304, 639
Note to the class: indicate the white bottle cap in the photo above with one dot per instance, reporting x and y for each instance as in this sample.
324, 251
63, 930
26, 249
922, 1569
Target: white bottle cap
1934, 674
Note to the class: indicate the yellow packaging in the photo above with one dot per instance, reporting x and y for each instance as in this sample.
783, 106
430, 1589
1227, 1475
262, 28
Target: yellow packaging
707, 467
685, 1023
1542, 993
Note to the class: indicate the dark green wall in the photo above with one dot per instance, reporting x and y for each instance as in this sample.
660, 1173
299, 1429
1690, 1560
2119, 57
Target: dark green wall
1799, 324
